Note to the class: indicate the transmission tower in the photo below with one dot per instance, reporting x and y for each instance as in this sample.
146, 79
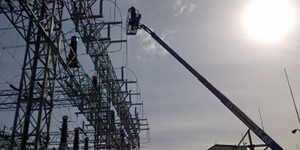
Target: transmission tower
51, 69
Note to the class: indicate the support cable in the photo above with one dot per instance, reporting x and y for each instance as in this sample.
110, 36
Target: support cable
6, 29
1, 59
9, 47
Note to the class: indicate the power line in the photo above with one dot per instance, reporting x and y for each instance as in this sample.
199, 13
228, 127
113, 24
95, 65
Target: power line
292, 95
11, 47
7, 28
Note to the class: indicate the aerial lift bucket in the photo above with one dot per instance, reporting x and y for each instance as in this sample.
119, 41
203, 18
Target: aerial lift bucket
133, 20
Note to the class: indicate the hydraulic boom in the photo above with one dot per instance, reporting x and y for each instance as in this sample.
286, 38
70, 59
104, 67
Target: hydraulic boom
133, 25
233, 108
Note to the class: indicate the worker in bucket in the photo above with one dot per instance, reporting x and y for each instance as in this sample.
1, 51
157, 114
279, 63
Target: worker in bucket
134, 18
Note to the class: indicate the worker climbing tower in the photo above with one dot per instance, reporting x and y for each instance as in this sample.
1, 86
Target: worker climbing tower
52, 69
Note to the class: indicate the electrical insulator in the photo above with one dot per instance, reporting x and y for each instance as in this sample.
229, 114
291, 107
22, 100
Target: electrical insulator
72, 58
13, 87
112, 120
74, 40
94, 80
86, 143
64, 132
112, 116
122, 132
76, 139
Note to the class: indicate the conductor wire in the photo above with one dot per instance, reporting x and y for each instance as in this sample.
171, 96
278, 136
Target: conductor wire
287, 78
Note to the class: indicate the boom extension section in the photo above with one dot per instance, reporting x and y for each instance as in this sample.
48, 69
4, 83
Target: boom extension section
232, 107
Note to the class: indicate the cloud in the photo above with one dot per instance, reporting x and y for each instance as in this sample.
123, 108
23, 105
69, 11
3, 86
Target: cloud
186, 7
151, 47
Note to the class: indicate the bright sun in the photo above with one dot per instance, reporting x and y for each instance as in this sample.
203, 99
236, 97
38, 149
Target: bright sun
268, 20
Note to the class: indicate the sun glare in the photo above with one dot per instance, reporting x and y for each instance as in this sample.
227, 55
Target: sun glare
268, 20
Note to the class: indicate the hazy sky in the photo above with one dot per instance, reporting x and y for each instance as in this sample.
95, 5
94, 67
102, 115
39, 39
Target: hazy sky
211, 35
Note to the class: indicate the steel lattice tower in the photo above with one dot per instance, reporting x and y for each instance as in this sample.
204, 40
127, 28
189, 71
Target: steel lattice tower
46, 73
